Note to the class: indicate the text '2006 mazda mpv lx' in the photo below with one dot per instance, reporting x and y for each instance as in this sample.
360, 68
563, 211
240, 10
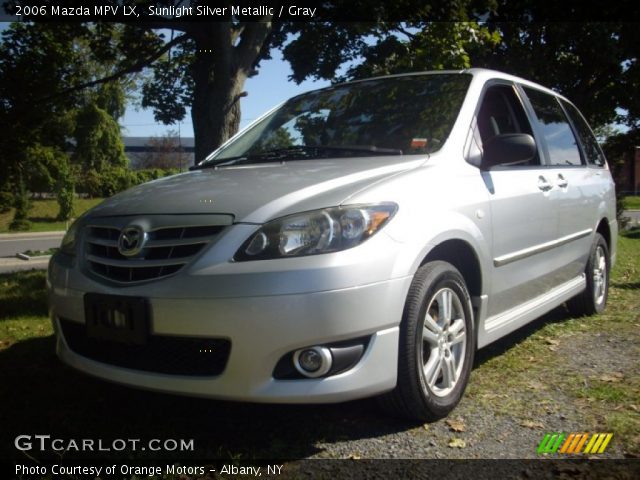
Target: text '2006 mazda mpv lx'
359, 240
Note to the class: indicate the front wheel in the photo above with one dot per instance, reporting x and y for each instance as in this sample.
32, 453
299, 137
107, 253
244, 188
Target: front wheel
594, 298
437, 343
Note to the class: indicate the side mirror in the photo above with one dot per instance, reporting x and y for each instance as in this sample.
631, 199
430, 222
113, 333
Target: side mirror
508, 149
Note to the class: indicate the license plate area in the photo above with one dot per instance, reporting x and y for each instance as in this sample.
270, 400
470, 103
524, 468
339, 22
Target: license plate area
117, 318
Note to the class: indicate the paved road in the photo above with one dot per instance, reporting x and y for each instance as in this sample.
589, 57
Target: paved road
8, 265
633, 216
12, 243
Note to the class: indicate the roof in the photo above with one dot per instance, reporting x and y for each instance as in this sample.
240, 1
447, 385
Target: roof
482, 74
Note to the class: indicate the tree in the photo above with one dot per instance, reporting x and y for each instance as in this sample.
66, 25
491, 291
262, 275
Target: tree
205, 64
423, 46
619, 149
21, 217
35, 59
41, 113
98, 141
592, 63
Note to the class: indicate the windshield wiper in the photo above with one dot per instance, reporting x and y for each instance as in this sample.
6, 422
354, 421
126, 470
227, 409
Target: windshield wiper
298, 152
358, 148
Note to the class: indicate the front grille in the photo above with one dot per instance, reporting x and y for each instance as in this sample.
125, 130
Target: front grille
166, 251
190, 356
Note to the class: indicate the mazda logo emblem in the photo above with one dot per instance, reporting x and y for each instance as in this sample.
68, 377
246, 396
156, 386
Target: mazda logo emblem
131, 241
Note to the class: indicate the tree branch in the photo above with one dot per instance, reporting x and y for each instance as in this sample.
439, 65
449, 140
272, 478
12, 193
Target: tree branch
410, 35
136, 67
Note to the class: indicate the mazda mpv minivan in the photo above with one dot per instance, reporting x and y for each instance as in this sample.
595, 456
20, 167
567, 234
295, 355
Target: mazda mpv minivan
362, 239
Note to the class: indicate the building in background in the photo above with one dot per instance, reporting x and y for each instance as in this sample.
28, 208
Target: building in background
169, 151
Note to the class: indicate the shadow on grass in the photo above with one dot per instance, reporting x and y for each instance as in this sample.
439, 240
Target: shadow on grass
631, 233
23, 293
47, 397
499, 347
627, 285
44, 220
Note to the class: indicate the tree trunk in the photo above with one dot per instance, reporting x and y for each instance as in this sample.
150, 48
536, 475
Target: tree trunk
216, 107
219, 72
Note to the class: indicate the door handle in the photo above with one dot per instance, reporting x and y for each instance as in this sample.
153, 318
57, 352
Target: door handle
543, 184
562, 182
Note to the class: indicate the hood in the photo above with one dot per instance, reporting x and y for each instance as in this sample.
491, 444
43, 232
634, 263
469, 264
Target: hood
257, 193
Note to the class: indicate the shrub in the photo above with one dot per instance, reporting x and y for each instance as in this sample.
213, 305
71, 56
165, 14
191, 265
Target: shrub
20, 220
6, 202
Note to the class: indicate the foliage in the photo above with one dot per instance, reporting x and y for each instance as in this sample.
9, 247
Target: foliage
106, 181
20, 218
44, 165
619, 149
110, 98
147, 175
41, 113
65, 193
111, 180
6, 201
591, 63
98, 141
428, 46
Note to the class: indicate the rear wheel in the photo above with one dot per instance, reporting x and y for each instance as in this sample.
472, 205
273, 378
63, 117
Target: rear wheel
437, 342
594, 298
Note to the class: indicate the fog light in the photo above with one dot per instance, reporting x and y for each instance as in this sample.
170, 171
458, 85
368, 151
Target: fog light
312, 362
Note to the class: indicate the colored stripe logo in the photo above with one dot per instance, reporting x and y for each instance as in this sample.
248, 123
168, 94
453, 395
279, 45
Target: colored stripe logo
574, 443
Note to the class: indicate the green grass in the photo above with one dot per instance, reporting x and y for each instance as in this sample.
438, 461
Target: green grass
43, 213
38, 253
537, 373
632, 202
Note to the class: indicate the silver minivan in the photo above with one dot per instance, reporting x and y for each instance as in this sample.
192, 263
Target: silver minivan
362, 239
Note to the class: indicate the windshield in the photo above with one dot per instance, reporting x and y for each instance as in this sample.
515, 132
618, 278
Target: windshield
387, 116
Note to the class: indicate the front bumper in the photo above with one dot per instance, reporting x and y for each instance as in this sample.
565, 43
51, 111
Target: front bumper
261, 329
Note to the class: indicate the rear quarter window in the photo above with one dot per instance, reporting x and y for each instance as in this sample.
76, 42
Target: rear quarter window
592, 152
554, 126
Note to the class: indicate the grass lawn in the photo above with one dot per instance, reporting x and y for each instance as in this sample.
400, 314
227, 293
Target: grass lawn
584, 368
43, 214
632, 202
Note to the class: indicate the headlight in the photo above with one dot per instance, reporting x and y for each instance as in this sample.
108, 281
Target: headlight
320, 231
68, 245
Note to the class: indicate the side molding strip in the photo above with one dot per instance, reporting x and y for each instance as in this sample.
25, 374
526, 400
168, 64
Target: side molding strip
527, 252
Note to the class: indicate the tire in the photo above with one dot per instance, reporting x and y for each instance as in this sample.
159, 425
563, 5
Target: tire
426, 389
594, 298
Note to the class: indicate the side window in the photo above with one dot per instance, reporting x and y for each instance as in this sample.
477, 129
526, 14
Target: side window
590, 147
553, 124
500, 113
